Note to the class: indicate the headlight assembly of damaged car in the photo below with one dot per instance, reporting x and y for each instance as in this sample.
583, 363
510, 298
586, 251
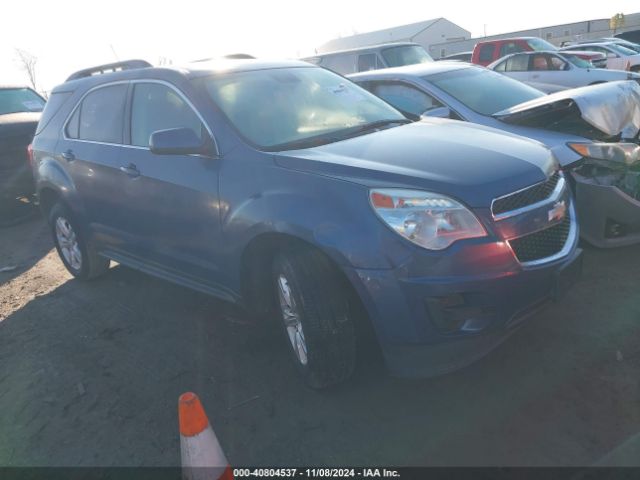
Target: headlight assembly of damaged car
622, 153
430, 220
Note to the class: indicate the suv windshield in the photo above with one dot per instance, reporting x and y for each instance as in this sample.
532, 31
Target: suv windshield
578, 62
287, 108
13, 100
483, 91
539, 45
405, 55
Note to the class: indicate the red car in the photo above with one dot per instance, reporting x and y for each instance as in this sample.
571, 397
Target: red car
489, 51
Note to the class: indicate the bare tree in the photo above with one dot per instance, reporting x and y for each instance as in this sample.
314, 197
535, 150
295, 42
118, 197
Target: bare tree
28, 62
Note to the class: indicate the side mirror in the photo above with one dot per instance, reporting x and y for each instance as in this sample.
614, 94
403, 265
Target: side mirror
178, 141
611, 55
438, 112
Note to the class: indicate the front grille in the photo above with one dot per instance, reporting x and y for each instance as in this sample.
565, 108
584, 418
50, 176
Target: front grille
526, 197
542, 244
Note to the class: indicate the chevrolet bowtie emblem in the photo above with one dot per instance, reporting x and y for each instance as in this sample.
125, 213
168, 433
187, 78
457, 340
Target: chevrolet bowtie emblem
558, 211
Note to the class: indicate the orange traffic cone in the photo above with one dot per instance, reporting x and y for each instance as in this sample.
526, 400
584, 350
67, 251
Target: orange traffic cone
202, 456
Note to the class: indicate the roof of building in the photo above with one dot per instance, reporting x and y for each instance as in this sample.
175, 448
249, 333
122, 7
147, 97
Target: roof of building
387, 35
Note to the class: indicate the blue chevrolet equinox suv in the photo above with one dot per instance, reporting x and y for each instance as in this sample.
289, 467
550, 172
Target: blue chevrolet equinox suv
285, 188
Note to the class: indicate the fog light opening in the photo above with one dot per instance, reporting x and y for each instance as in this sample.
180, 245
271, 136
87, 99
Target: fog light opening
614, 229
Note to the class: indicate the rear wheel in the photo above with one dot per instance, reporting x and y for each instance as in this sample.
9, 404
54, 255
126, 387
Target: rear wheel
75, 253
315, 316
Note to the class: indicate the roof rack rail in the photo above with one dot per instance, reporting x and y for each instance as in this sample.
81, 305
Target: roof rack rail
109, 67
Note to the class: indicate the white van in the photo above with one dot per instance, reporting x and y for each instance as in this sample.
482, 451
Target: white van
372, 58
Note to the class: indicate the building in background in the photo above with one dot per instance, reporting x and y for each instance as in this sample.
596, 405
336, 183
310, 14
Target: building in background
568, 32
441, 37
427, 33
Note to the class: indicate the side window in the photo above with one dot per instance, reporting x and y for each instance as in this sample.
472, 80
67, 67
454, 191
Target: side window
101, 114
501, 67
341, 63
367, 62
556, 63
510, 47
518, 63
158, 107
404, 97
539, 62
486, 53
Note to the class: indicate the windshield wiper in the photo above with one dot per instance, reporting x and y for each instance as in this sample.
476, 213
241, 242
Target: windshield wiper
372, 126
335, 136
315, 141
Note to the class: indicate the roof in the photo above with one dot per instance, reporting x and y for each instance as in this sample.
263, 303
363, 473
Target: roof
387, 35
192, 70
417, 70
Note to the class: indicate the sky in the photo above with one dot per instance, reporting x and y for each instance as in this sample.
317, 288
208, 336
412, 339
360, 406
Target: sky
67, 35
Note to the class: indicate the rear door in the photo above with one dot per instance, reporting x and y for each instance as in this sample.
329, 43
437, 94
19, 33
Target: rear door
517, 66
172, 199
90, 148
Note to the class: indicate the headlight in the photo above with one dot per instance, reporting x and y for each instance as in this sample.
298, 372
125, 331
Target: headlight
625, 153
430, 220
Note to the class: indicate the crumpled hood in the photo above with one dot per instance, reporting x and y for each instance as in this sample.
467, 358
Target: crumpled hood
612, 108
470, 162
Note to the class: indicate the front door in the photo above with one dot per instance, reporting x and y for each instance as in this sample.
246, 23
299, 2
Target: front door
173, 206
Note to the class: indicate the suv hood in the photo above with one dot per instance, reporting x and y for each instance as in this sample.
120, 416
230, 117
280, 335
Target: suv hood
605, 112
470, 162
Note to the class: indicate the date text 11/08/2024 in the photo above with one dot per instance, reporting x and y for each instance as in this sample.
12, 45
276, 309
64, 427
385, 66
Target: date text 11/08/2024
315, 473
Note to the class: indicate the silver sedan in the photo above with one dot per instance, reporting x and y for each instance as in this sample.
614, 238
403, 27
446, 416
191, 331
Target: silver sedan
555, 71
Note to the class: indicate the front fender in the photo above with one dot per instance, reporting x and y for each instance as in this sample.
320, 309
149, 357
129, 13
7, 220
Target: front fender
333, 215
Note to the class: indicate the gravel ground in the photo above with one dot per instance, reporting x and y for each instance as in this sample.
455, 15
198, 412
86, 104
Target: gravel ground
90, 374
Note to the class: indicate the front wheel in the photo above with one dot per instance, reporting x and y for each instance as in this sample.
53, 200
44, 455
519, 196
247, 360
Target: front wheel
75, 253
313, 303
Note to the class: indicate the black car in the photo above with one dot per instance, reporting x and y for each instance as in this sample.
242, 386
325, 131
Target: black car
20, 110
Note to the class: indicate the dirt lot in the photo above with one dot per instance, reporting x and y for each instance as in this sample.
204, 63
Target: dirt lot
90, 375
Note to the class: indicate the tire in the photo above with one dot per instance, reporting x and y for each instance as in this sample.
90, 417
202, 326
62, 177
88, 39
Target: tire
327, 354
81, 262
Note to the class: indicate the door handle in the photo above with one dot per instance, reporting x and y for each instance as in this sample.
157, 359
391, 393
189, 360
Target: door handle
68, 155
130, 170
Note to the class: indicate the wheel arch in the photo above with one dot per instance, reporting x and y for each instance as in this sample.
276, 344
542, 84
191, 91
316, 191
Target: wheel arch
255, 281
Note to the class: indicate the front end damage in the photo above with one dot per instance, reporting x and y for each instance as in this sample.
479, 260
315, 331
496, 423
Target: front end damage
606, 181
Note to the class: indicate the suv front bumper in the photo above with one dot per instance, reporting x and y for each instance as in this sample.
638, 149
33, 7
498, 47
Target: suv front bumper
429, 325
